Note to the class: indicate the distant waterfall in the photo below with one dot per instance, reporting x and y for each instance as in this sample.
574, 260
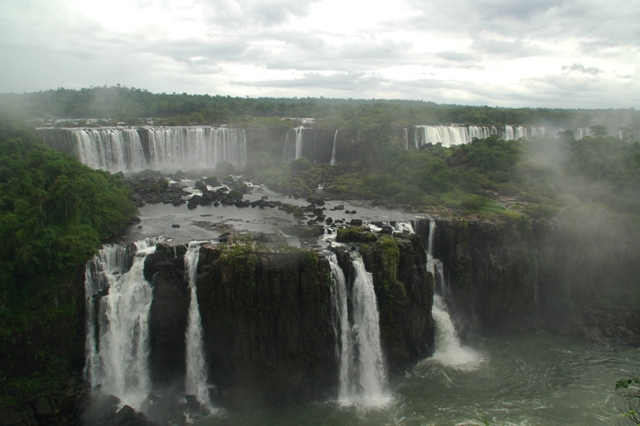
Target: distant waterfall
117, 323
164, 148
196, 147
582, 132
406, 138
459, 135
293, 144
196, 380
333, 151
110, 149
449, 351
362, 372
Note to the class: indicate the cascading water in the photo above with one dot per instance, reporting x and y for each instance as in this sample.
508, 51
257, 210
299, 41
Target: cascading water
362, 372
449, 351
293, 144
196, 147
196, 380
458, 135
118, 303
333, 151
168, 148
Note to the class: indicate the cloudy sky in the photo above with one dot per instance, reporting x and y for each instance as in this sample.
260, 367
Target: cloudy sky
551, 53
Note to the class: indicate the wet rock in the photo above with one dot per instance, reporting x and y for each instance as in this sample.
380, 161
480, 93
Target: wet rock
175, 225
356, 222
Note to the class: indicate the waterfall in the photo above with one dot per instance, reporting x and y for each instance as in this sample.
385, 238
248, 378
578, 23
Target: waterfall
109, 149
333, 151
362, 372
118, 303
299, 134
293, 144
406, 138
449, 351
196, 147
196, 380
582, 132
169, 148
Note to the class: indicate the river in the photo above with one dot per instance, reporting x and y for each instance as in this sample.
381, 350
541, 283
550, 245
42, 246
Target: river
533, 379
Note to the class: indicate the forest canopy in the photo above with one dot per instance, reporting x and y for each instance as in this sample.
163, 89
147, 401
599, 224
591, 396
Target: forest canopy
54, 212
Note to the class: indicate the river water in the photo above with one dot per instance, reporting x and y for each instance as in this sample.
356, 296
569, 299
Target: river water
533, 379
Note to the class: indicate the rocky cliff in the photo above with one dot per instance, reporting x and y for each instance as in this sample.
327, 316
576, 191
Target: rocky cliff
269, 327
572, 277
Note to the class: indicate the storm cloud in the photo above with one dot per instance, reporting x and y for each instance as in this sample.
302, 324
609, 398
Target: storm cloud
559, 53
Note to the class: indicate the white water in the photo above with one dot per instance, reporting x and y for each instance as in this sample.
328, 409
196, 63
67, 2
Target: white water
109, 149
293, 144
362, 372
333, 151
169, 148
449, 352
343, 328
196, 380
460, 135
118, 358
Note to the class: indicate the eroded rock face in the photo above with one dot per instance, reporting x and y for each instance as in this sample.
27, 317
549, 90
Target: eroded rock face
168, 316
267, 326
404, 291
568, 277
491, 275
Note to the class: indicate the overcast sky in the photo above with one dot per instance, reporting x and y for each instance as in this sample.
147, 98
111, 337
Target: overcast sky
551, 53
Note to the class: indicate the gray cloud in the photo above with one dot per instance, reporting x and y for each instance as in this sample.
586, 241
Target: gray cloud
577, 67
435, 51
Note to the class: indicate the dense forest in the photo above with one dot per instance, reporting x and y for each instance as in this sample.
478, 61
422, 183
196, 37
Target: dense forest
54, 213
131, 105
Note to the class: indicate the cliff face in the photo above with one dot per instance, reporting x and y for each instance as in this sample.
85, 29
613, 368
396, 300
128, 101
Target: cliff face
404, 291
490, 273
570, 277
269, 326
167, 317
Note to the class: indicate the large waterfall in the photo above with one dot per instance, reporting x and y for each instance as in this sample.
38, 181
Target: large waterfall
117, 323
162, 148
449, 351
109, 149
196, 380
362, 371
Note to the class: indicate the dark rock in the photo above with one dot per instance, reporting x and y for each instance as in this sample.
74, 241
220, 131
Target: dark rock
9, 417
167, 315
43, 408
356, 222
175, 225
303, 231
267, 327
338, 207
328, 220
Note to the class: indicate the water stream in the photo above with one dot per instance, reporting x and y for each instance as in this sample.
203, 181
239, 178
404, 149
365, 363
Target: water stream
196, 379
118, 324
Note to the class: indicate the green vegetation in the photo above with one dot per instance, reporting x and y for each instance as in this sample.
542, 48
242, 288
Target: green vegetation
128, 105
629, 389
54, 212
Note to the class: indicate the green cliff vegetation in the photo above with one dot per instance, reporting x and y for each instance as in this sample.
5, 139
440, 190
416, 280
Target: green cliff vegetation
54, 212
